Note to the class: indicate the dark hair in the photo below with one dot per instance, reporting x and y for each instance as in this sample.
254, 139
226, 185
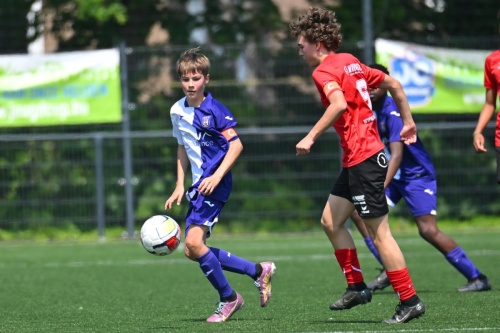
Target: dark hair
380, 68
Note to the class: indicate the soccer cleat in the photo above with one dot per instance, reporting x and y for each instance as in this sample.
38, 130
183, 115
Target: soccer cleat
380, 282
352, 298
478, 284
263, 283
226, 309
405, 313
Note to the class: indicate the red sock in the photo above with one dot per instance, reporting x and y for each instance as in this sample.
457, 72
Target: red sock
348, 261
401, 283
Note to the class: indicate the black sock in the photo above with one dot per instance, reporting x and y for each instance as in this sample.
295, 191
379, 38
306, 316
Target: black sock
231, 298
360, 286
412, 301
258, 271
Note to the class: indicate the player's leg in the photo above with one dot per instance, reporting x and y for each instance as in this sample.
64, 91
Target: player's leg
200, 220
454, 254
335, 214
421, 199
367, 188
360, 225
381, 281
261, 273
410, 306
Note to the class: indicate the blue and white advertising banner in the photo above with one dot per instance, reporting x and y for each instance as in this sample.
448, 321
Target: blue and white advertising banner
436, 79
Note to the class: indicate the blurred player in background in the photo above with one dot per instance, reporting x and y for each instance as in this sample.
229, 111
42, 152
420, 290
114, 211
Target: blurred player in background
343, 82
204, 129
411, 175
492, 85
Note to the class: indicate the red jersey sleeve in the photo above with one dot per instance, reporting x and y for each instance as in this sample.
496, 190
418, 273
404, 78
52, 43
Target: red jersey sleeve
326, 83
492, 71
374, 77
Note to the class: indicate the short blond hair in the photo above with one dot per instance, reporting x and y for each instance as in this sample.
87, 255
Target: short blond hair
192, 61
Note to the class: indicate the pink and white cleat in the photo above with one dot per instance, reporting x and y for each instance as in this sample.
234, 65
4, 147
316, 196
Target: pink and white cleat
263, 283
226, 309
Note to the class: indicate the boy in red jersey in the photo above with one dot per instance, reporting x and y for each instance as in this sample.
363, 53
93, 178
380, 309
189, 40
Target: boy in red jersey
343, 83
492, 85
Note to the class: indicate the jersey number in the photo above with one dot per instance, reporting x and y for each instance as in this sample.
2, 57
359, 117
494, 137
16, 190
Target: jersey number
363, 91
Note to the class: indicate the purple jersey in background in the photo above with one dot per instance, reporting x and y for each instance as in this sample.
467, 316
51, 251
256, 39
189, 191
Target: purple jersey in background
199, 129
416, 162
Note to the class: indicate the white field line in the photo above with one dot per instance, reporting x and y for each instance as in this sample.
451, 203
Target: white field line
182, 260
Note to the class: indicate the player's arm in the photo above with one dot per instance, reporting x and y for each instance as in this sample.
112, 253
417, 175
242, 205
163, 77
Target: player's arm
208, 184
487, 112
409, 132
396, 148
333, 112
182, 166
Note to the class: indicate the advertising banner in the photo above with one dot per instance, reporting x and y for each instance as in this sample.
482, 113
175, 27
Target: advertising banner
60, 89
437, 80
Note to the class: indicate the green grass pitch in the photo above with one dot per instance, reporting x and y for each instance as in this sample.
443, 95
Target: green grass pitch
118, 287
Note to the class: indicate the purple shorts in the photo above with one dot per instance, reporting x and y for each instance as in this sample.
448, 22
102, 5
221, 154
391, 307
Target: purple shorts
420, 195
203, 211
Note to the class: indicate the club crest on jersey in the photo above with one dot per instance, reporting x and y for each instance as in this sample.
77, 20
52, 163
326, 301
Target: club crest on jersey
205, 121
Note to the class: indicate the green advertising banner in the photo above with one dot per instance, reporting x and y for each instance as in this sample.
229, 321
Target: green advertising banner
60, 89
435, 79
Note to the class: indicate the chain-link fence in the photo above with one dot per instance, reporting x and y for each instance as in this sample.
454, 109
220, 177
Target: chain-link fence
76, 174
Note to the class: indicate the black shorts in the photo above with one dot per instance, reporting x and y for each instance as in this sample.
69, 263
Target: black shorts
363, 185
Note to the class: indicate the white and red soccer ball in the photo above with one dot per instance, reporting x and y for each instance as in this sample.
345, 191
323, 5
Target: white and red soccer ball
160, 235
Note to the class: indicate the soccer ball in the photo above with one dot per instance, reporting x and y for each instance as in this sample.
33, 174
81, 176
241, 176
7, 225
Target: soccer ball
160, 235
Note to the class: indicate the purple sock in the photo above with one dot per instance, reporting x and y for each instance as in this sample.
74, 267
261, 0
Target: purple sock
232, 263
373, 249
213, 271
459, 260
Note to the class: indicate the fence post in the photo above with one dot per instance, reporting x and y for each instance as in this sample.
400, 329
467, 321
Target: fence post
99, 184
127, 151
368, 31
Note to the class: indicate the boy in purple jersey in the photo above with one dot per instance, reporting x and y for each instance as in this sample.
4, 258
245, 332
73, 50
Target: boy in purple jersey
411, 176
204, 129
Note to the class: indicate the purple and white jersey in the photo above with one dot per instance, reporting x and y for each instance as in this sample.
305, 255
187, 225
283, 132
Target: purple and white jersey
416, 162
199, 130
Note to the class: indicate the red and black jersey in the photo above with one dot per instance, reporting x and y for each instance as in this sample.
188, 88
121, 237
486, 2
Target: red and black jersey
357, 127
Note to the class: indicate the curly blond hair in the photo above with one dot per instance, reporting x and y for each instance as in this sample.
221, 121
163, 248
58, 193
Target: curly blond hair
318, 25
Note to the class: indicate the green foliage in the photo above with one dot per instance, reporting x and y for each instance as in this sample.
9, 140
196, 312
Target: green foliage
101, 11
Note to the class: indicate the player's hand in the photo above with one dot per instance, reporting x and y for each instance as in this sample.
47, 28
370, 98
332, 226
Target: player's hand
208, 185
409, 133
478, 143
175, 197
304, 146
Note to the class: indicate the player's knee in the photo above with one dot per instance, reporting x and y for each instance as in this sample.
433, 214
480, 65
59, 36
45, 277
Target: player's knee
330, 225
192, 248
326, 223
428, 233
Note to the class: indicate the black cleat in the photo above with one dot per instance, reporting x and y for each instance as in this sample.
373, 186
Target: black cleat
351, 298
380, 282
479, 284
405, 313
